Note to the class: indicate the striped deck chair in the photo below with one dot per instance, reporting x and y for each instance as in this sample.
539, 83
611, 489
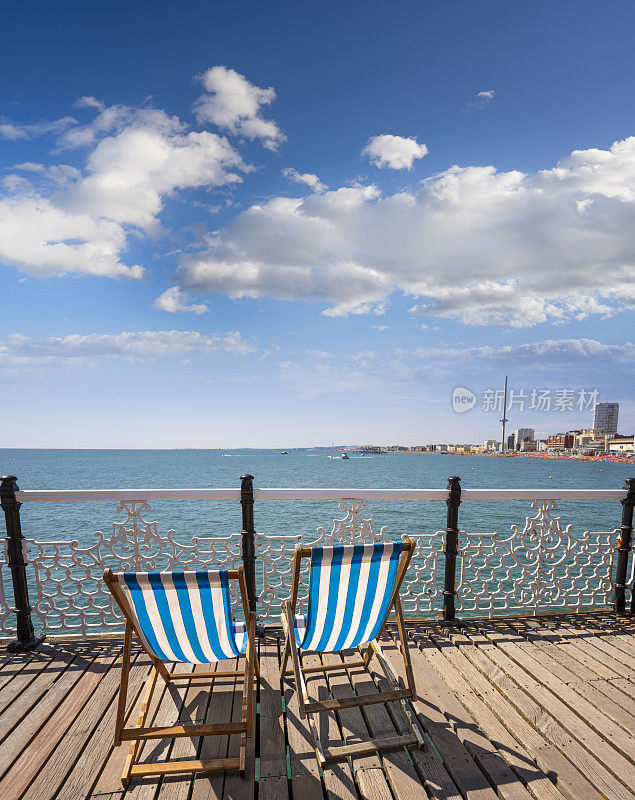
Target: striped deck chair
352, 589
183, 616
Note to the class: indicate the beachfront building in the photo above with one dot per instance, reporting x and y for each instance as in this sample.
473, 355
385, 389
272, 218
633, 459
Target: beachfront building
605, 417
558, 442
590, 440
491, 445
622, 445
520, 434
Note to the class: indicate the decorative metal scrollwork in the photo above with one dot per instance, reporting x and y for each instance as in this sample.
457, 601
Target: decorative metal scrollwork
422, 587
541, 566
7, 624
70, 595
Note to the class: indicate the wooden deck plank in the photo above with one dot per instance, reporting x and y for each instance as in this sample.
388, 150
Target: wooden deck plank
99, 746
481, 750
196, 699
578, 705
611, 655
427, 761
29, 673
64, 758
273, 757
367, 769
306, 781
33, 693
14, 663
430, 707
209, 786
452, 665
399, 767
337, 776
109, 778
159, 751
521, 691
236, 786
598, 692
541, 707
32, 759
482, 675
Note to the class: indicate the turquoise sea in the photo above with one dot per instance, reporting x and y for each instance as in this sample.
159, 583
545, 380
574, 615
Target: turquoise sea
165, 469
169, 469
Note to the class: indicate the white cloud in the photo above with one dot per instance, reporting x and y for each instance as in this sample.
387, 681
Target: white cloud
550, 352
21, 351
23, 132
469, 243
483, 99
174, 300
234, 104
394, 152
308, 178
318, 354
62, 220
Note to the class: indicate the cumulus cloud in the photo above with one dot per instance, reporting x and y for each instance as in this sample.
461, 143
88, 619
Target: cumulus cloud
22, 351
469, 243
482, 101
174, 300
308, 178
61, 220
234, 104
394, 152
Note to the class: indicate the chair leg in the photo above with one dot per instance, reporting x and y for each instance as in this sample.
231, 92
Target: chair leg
287, 649
123, 687
134, 745
409, 718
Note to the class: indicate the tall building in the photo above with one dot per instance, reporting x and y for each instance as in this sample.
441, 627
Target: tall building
520, 434
605, 418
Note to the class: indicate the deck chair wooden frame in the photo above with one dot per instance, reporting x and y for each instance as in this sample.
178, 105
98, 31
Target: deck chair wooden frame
142, 732
397, 693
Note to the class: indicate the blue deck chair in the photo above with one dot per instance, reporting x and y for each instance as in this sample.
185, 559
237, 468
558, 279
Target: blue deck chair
352, 590
183, 616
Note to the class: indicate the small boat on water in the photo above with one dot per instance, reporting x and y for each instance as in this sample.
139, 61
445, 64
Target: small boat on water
284, 453
345, 455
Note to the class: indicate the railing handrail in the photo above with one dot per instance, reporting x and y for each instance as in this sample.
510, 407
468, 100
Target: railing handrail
138, 495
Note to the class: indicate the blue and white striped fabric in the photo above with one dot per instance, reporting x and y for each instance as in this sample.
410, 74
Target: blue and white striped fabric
184, 615
349, 591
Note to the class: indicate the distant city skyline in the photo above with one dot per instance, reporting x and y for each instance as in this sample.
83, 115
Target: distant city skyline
282, 228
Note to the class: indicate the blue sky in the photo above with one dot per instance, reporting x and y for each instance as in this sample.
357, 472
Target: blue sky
280, 226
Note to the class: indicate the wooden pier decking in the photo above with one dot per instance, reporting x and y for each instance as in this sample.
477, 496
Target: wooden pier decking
516, 708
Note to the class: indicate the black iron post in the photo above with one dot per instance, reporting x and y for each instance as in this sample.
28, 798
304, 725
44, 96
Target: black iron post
26, 638
249, 543
451, 548
624, 547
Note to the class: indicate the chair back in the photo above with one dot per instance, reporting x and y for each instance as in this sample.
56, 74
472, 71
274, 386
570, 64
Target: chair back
183, 615
350, 589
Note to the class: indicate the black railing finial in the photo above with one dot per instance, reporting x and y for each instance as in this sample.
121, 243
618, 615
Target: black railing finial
26, 638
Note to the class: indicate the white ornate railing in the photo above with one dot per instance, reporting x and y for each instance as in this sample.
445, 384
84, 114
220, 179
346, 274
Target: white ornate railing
543, 566
537, 566
70, 595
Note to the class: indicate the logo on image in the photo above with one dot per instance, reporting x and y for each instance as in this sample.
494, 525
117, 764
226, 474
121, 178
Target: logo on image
463, 399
